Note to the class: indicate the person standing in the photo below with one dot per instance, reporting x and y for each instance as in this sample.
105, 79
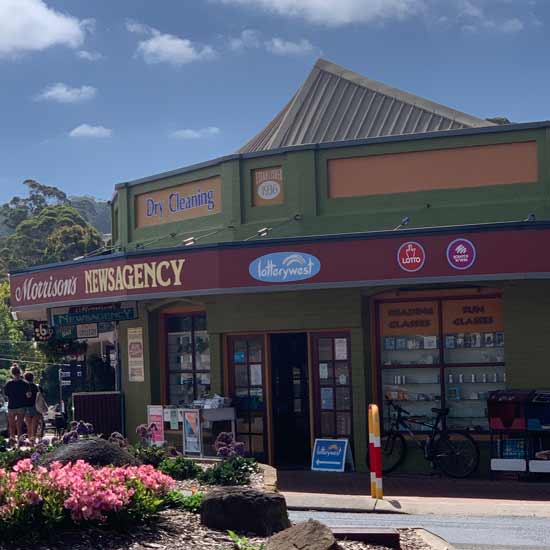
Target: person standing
16, 391
31, 414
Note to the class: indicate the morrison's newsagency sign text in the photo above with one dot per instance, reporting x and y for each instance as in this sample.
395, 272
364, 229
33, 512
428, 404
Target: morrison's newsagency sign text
80, 282
356, 260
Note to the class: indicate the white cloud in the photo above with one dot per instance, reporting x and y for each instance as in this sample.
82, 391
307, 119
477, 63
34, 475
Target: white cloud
89, 131
477, 19
137, 28
252, 39
167, 48
89, 56
279, 46
65, 94
30, 25
248, 39
337, 12
188, 133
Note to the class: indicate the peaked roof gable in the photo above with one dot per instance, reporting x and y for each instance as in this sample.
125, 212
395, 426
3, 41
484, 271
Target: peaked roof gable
335, 104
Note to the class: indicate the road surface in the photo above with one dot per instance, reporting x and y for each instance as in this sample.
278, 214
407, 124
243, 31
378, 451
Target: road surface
465, 533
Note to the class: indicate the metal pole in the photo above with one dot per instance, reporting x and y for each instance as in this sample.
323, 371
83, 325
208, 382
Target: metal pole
375, 453
60, 390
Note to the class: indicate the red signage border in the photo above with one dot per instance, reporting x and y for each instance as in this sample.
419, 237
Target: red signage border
503, 253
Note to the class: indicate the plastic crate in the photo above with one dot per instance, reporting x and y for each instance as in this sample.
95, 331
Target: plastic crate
538, 411
507, 409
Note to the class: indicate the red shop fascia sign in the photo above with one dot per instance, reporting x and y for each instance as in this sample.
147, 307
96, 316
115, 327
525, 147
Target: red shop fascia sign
422, 256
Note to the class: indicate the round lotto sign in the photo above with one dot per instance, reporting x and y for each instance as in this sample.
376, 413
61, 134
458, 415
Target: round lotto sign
461, 254
411, 256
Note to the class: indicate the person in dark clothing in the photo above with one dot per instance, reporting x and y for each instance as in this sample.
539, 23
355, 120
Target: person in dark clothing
16, 391
31, 414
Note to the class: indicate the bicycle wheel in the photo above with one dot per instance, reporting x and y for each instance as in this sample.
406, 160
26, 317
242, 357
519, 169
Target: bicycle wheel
394, 450
455, 453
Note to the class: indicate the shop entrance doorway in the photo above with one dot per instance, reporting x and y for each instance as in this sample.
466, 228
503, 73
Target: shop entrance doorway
289, 373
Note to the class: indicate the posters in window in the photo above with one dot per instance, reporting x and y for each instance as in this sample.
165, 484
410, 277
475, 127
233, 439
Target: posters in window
341, 349
155, 421
191, 431
136, 369
327, 399
323, 371
174, 419
255, 375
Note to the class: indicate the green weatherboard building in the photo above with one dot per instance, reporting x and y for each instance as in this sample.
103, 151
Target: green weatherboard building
366, 245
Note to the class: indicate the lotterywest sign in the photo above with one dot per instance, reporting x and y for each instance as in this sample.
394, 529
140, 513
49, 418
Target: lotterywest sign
358, 260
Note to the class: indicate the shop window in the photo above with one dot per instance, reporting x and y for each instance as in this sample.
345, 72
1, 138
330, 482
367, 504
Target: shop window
332, 373
188, 354
246, 356
443, 353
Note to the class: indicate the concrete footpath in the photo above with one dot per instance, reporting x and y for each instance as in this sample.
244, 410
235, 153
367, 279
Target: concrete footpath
442, 506
419, 495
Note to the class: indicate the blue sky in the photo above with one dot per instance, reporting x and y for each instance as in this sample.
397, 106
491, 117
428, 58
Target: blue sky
97, 92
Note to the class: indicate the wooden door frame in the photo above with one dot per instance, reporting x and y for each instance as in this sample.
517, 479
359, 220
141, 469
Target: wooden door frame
171, 311
343, 333
266, 381
227, 384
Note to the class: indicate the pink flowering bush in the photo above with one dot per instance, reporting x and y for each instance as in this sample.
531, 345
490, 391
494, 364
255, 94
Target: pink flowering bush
33, 496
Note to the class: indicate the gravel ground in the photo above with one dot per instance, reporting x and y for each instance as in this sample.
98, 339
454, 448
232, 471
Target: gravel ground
174, 530
256, 482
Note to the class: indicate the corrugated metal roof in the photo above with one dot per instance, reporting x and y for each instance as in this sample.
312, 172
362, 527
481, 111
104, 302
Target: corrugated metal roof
335, 104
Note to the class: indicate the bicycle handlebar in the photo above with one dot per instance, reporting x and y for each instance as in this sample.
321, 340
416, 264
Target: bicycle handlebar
398, 408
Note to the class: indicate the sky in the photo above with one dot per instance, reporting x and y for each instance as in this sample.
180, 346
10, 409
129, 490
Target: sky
93, 93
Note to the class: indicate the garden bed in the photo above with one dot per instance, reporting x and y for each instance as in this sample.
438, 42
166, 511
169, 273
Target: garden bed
174, 530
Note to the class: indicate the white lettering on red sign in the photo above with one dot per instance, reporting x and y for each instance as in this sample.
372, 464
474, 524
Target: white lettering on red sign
32, 290
411, 256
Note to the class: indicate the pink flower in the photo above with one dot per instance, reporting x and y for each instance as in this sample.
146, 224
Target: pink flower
24, 465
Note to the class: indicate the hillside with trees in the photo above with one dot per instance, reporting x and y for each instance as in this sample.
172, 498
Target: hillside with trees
42, 227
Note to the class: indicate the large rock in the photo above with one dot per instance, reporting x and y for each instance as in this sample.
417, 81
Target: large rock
310, 535
95, 451
245, 511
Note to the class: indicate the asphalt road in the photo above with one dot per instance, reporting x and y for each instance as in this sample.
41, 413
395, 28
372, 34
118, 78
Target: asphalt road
466, 533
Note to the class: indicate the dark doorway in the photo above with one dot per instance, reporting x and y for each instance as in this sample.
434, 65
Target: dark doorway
289, 368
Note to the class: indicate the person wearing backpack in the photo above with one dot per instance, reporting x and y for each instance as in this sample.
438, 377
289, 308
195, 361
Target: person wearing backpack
31, 413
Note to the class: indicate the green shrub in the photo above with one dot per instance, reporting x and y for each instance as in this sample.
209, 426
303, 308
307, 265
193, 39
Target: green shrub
9, 458
191, 503
149, 455
242, 543
180, 468
235, 471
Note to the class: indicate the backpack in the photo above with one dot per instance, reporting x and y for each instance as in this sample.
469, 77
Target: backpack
40, 404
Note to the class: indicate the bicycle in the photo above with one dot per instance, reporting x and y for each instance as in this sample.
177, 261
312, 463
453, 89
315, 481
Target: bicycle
453, 452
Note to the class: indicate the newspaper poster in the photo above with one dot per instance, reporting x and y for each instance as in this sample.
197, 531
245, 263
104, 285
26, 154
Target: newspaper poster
136, 369
191, 431
155, 421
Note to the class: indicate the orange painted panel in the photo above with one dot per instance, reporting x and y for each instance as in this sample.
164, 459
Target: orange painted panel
268, 186
409, 318
476, 315
463, 167
182, 202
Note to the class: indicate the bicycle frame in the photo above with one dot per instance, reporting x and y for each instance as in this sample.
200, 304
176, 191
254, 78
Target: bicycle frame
425, 445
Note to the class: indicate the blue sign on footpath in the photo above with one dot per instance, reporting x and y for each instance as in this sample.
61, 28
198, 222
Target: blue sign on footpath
330, 455
284, 267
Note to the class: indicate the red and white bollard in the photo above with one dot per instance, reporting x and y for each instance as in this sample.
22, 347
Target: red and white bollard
375, 453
